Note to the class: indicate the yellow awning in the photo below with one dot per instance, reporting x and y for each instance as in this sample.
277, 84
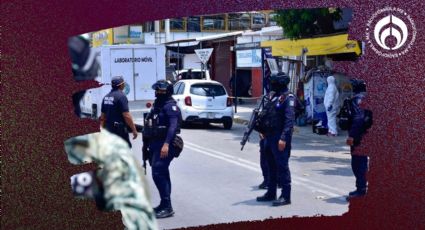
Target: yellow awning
336, 44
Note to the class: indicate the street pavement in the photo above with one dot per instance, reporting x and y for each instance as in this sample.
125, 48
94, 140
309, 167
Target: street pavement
214, 182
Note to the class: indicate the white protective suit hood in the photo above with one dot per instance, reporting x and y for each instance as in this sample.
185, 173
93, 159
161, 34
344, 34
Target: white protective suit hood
331, 94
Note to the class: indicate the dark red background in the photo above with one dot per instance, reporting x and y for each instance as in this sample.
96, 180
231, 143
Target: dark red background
37, 116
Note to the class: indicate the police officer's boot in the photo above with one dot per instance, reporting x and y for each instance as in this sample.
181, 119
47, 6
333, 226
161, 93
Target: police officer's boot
285, 198
282, 201
158, 208
161, 205
263, 185
166, 210
268, 196
356, 193
164, 213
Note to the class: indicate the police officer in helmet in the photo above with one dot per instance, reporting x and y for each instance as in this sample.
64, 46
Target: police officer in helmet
278, 128
161, 127
359, 164
115, 116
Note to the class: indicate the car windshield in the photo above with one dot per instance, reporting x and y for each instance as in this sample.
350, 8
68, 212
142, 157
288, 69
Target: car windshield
208, 90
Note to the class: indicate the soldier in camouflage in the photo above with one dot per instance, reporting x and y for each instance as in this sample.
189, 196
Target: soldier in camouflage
119, 178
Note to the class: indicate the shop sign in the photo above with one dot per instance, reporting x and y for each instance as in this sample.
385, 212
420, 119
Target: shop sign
248, 58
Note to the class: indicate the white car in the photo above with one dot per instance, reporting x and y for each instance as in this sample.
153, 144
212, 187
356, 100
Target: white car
196, 74
204, 101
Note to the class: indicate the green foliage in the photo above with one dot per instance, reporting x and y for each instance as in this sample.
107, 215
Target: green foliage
302, 23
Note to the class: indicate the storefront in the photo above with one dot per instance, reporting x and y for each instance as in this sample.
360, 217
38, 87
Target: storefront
248, 71
118, 35
310, 84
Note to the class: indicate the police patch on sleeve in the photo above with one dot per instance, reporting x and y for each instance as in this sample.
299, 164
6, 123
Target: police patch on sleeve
174, 108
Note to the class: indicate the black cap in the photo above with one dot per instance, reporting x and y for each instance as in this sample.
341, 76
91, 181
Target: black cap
117, 81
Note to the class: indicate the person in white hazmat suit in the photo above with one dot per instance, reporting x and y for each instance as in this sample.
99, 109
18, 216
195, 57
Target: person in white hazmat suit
331, 102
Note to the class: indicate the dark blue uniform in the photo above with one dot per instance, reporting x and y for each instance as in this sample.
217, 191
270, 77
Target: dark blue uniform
168, 115
113, 105
359, 164
283, 118
263, 163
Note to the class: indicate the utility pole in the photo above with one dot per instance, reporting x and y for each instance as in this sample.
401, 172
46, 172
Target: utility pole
167, 37
167, 30
157, 37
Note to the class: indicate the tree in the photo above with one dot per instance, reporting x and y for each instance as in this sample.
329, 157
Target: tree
302, 23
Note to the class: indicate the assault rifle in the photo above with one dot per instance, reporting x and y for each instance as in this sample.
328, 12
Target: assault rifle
257, 113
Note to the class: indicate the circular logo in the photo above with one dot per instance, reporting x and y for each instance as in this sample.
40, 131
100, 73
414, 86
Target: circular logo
391, 32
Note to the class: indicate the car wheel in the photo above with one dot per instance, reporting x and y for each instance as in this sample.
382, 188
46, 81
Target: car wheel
184, 124
228, 124
205, 123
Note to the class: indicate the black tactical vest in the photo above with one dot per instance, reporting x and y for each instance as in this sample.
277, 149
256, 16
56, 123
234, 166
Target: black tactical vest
271, 120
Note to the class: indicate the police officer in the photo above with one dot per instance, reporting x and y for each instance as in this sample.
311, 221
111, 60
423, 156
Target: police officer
278, 126
359, 164
115, 116
164, 121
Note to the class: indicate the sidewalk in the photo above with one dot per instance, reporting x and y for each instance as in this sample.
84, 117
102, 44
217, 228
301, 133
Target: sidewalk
244, 112
242, 116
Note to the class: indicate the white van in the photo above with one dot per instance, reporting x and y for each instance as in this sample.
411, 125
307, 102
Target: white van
140, 66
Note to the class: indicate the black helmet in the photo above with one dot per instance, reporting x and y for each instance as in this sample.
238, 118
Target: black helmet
84, 63
279, 81
358, 85
84, 66
163, 85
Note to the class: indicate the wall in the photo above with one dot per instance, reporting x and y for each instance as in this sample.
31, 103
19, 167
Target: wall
221, 63
257, 82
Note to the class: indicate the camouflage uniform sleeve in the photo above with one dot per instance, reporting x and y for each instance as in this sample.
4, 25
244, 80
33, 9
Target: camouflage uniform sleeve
124, 185
126, 190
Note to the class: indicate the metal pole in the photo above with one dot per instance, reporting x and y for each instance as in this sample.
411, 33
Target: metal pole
235, 78
263, 68
236, 91
157, 29
178, 58
202, 64
167, 30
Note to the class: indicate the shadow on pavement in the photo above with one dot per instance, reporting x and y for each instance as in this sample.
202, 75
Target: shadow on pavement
253, 202
341, 169
337, 200
255, 188
322, 159
337, 171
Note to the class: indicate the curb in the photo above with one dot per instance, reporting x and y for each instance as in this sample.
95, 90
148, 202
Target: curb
239, 120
